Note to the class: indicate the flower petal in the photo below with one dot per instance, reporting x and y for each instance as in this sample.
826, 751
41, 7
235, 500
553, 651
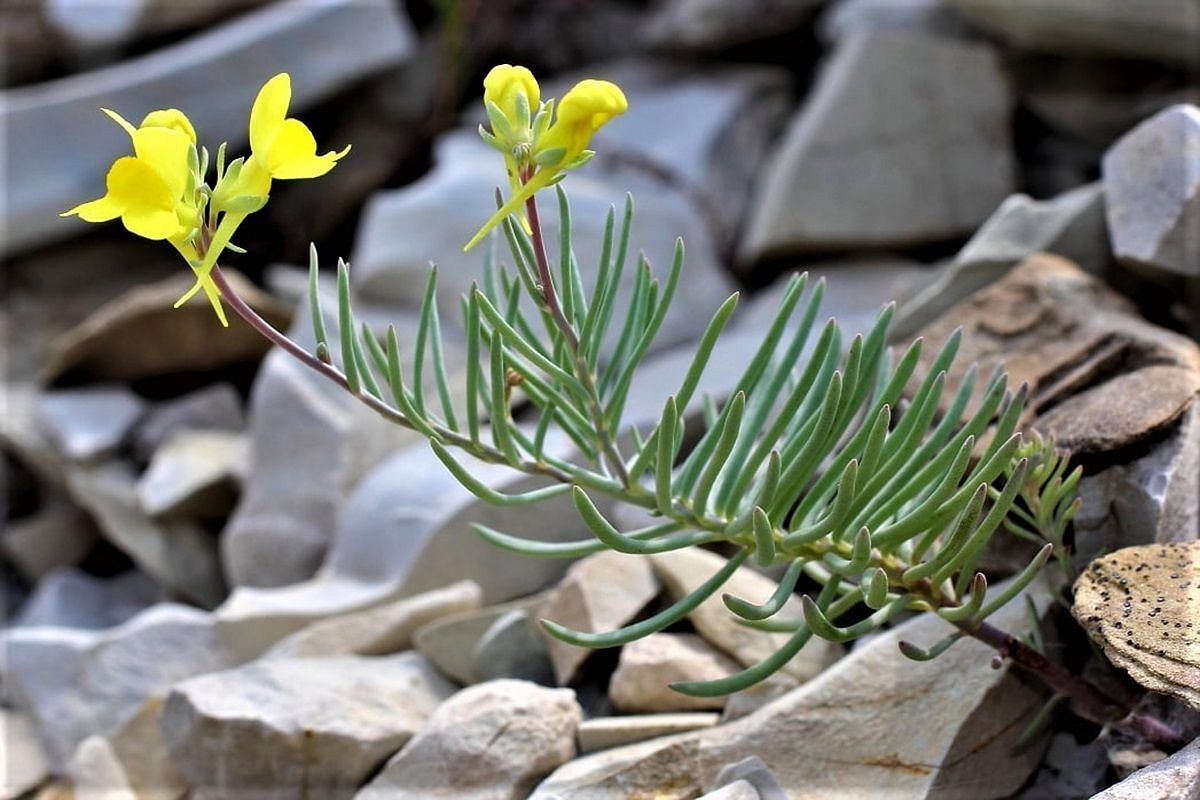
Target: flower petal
117, 118
504, 82
269, 110
149, 222
102, 209
582, 111
166, 150
171, 118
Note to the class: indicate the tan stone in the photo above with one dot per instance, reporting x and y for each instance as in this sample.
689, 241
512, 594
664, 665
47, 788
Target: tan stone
648, 666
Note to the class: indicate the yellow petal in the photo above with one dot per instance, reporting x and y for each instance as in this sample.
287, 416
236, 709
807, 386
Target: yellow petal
214, 298
147, 207
582, 111
229, 224
171, 118
269, 110
150, 222
293, 153
101, 209
504, 82
117, 118
166, 150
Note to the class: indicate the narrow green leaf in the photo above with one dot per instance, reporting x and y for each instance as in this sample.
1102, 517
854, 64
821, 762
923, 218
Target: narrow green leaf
314, 293
346, 329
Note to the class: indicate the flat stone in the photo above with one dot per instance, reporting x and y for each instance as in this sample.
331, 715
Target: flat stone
306, 39
139, 334
1176, 777
194, 474
58, 535
87, 27
753, 771
69, 598
451, 642
682, 571
217, 407
648, 666
76, 683
22, 764
708, 25
738, 790
283, 727
494, 740
1139, 604
601, 733
381, 630
599, 593
1156, 29
1153, 190
892, 117
513, 647
89, 424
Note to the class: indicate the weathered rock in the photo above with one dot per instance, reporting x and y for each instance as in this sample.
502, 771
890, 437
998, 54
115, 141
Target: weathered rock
195, 474
753, 771
22, 764
947, 722
1069, 769
283, 727
601, 733
893, 117
1174, 778
599, 593
738, 790
513, 647
1063, 333
451, 642
381, 630
87, 26
57, 535
1071, 225
682, 571
647, 667
138, 334
1155, 29
217, 407
139, 748
1139, 604
1152, 186
89, 424
69, 598
494, 740
220, 71
97, 772
706, 25
75, 683
932, 17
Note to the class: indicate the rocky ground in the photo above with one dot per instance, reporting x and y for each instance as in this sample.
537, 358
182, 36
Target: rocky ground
224, 578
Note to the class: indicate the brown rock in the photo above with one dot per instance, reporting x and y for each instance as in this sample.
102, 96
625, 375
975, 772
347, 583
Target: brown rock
648, 666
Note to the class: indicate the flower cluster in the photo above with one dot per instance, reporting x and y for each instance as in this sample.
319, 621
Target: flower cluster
540, 142
160, 192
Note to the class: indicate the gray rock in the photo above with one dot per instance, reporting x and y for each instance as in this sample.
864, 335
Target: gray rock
705, 25
493, 741
1174, 778
194, 474
753, 771
381, 630
1152, 185
60, 534
88, 424
284, 727
599, 593
647, 667
22, 766
219, 71
76, 683
904, 140
450, 642
601, 733
86, 27
214, 408
140, 750
1154, 29
738, 790
69, 598
402, 229
1070, 225
1069, 769
932, 17
513, 647
98, 773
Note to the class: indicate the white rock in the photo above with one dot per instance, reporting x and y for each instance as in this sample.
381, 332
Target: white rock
1152, 185
513, 647
98, 773
753, 771
599, 593
493, 741
194, 474
384, 629
55, 536
647, 667
70, 598
22, 764
88, 424
140, 750
285, 727
216, 407
738, 790
847, 17
86, 24
1151, 29
219, 72
601, 733
74, 684
451, 642
903, 140
1174, 778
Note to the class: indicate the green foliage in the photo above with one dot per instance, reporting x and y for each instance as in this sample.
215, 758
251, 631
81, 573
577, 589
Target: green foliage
833, 459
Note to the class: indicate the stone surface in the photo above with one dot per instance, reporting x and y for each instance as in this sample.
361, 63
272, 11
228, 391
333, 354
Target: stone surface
1069, 769
218, 71
286, 726
1153, 29
947, 722
1080, 348
138, 334
601, 733
1071, 225
932, 17
97, 772
1174, 778
58, 535
76, 683
599, 593
894, 117
704, 25
381, 630
647, 667
1152, 184
87, 26
142, 753
89, 424
194, 474
216, 407
22, 764
752, 770
493, 741
451, 642
1139, 604
513, 647
70, 598
682, 571
738, 790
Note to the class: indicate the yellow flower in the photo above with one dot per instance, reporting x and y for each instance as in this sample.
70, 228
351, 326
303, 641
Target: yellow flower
583, 110
504, 83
